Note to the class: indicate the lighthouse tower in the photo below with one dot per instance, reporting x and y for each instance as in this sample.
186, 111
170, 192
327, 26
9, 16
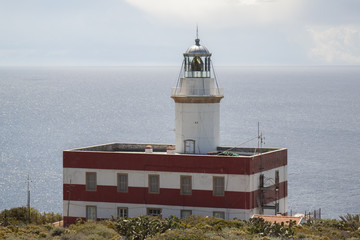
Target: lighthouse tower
197, 103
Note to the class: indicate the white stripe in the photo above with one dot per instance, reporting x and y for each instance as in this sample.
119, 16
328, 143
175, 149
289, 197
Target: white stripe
106, 210
171, 180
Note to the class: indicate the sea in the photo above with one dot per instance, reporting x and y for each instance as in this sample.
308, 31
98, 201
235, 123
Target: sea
314, 112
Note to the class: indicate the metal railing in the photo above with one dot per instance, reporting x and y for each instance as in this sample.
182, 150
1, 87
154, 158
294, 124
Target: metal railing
196, 74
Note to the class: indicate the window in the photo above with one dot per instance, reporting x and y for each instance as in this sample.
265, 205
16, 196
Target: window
91, 213
122, 212
154, 183
185, 185
185, 213
218, 186
90, 181
219, 215
122, 182
154, 211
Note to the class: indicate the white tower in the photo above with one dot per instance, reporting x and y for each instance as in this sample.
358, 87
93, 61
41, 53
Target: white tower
197, 103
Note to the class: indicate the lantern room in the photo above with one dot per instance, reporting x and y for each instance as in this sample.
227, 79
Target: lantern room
197, 61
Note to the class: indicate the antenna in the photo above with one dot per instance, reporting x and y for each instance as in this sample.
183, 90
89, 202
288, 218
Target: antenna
261, 139
262, 177
197, 31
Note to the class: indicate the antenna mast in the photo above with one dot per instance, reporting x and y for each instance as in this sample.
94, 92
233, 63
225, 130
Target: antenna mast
261, 139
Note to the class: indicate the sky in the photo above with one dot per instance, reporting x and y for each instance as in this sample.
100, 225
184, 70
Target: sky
158, 32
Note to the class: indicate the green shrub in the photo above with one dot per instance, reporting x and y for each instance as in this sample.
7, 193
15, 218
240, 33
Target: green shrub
350, 222
20, 215
180, 234
210, 223
144, 226
58, 231
91, 230
263, 228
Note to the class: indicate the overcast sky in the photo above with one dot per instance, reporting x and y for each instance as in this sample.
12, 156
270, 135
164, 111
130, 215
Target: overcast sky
157, 32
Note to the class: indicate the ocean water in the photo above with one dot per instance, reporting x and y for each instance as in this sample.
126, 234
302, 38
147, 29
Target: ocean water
312, 111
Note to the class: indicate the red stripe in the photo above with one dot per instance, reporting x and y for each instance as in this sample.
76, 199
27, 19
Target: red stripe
71, 220
199, 198
268, 161
174, 163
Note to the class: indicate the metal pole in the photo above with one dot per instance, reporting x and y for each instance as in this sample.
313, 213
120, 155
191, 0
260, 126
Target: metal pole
68, 208
28, 198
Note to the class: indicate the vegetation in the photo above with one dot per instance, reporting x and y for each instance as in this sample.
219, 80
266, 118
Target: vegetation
13, 226
19, 216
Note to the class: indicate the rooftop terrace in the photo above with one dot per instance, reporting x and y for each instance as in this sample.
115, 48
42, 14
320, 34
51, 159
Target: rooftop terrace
163, 148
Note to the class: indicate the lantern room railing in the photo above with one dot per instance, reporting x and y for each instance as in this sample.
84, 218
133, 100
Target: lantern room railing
196, 74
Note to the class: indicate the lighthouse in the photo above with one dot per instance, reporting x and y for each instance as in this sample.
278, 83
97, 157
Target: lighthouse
126, 179
197, 103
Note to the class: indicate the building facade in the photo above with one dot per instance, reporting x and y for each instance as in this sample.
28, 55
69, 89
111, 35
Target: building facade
194, 176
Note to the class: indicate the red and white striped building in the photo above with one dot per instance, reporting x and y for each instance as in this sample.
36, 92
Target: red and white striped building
194, 176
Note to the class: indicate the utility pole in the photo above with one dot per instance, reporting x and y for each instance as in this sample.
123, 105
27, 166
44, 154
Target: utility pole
68, 207
28, 198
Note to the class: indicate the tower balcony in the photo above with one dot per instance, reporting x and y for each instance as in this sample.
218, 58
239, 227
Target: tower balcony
197, 92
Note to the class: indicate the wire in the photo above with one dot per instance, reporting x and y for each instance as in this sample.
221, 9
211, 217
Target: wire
229, 149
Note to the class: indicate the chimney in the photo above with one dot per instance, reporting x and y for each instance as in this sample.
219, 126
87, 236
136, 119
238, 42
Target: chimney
170, 150
148, 149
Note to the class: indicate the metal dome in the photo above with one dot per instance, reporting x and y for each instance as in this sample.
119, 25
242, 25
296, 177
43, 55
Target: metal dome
197, 50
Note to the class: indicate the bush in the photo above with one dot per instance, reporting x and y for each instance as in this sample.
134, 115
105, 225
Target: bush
180, 234
13, 216
264, 228
91, 230
350, 222
210, 223
57, 231
139, 228
19, 216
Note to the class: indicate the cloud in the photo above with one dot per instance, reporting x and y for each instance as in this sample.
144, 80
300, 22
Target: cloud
220, 13
131, 31
335, 45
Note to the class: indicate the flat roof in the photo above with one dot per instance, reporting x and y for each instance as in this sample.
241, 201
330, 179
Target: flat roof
162, 148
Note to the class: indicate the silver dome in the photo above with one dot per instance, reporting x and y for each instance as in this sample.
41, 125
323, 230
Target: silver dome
197, 50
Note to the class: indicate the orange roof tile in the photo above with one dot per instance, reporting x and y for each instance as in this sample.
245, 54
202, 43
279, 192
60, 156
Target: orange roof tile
279, 219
